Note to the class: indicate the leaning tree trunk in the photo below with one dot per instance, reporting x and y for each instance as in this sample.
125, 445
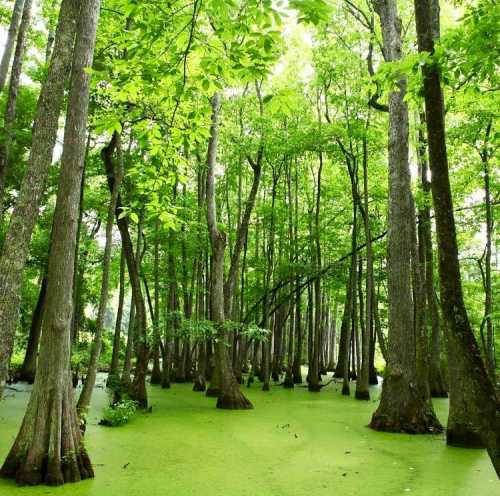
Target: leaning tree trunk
23, 218
137, 389
49, 446
11, 39
88, 386
28, 368
115, 356
464, 354
230, 396
401, 408
10, 111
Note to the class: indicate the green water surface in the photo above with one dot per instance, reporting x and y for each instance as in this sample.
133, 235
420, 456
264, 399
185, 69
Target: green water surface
294, 443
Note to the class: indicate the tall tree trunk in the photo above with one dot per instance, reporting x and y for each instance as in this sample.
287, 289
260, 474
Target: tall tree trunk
88, 387
115, 355
347, 321
362, 391
17, 12
10, 111
137, 390
488, 300
17, 240
464, 354
49, 447
28, 369
314, 373
437, 383
401, 408
230, 396
156, 372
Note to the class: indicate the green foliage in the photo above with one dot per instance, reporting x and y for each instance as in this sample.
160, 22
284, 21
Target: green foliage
119, 413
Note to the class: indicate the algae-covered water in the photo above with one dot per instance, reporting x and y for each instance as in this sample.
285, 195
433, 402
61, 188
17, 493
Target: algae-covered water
294, 443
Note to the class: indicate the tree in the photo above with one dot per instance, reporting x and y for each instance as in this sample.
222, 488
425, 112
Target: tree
48, 448
229, 396
23, 219
463, 351
401, 408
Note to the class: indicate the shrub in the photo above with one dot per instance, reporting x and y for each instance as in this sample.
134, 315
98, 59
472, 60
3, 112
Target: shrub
119, 413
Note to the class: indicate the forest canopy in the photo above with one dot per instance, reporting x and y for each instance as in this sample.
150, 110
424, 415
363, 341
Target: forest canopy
247, 193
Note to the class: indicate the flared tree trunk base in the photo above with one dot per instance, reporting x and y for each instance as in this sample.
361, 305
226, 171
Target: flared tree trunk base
362, 395
155, 377
463, 436
288, 383
346, 390
212, 392
49, 448
199, 384
314, 388
234, 401
409, 424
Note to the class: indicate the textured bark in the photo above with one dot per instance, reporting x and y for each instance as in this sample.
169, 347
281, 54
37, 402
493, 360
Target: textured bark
126, 379
17, 240
88, 386
437, 383
28, 369
10, 111
230, 396
463, 353
402, 407
11, 39
137, 390
156, 372
115, 356
362, 391
49, 447
347, 321
314, 373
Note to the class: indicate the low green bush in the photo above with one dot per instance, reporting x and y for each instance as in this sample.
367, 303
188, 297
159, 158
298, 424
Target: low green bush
119, 413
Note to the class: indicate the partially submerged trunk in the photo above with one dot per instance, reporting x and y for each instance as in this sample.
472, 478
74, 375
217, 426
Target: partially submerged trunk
49, 448
464, 355
402, 407
137, 390
229, 396
88, 386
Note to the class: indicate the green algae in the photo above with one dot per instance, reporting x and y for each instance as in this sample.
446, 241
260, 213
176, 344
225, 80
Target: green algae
294, 443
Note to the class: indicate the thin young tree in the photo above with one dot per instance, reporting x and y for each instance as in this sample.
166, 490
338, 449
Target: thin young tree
17, 12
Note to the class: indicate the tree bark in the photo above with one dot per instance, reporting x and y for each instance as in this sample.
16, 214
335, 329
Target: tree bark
17, 240
11, 39
463, 353
28, 369
137, 389
115, 356
10, 111
230, 396
88, 387
401, 408
49, 447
